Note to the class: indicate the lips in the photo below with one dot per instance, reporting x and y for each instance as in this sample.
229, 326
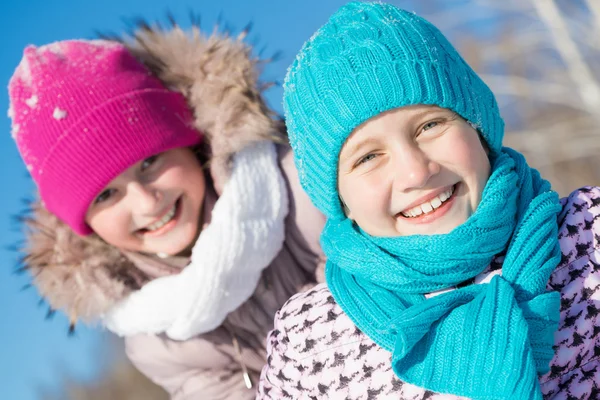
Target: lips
429, 205
166, 218
164, 223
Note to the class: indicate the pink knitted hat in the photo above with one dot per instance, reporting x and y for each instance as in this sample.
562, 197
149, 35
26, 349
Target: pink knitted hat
82, 113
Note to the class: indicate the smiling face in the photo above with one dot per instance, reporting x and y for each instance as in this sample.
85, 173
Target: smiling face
414, 170
154, 206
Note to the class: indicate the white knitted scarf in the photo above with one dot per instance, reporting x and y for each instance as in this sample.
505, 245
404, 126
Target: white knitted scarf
245, 233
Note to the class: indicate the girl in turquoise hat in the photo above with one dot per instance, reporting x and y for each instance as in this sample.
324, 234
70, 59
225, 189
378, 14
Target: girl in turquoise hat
453, 268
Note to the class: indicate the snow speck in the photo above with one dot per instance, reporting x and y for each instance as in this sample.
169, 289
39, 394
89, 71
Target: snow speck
59, 114
32, 101
473, 125
29, 167
23, 71
55, 48
11, 111
15, 131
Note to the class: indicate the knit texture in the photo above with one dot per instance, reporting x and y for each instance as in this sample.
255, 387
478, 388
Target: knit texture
455, 342
483, 342
367, 59
316, 352
245, 234
83, 112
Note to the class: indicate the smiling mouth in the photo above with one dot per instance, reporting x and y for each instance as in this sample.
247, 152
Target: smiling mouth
430, 206
166, 222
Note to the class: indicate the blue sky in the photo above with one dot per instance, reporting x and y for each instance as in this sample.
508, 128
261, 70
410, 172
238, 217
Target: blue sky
34, 352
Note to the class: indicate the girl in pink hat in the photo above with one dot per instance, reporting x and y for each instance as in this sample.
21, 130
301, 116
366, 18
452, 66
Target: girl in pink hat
169, 206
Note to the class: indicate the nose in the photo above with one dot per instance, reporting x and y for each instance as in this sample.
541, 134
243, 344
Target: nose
142, 198
413, 169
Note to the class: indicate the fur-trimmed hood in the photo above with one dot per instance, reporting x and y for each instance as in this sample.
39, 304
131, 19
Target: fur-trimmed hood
84, 276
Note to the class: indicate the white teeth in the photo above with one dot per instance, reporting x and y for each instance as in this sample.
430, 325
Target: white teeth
415, 212
430, 205
163, 221
427, 207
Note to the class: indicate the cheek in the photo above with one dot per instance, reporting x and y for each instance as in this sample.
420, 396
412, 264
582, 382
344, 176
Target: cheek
476, 161
112, 225
472, 164
467, 155
189, 180
365, 195
194, 183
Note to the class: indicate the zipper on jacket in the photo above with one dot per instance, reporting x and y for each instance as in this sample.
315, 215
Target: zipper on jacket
238, 351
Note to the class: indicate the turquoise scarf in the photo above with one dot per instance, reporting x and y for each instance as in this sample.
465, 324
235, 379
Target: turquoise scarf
487, 341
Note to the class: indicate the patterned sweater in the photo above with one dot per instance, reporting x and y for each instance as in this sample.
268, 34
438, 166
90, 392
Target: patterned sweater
316, 352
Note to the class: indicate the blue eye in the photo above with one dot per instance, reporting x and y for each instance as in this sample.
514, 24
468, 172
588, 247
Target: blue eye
366, 159
430, 125
147, 163
105, 195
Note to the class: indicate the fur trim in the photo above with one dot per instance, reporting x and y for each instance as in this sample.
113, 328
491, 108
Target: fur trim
84, 276
220, 79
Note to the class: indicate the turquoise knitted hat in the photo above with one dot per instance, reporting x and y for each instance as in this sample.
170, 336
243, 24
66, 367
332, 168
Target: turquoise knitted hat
367, 59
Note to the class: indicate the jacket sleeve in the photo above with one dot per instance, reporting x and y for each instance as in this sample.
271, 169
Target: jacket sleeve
280, 377
188, 370
307, 218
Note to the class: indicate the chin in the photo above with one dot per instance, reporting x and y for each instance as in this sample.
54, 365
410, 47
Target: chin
180, 245
186, 242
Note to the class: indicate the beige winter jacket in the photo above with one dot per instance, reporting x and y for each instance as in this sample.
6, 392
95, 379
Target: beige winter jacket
209, 366
84, 277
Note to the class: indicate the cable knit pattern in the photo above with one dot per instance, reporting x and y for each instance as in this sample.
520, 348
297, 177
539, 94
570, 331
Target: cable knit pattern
367, 59
504, 328
317, 352
245, 234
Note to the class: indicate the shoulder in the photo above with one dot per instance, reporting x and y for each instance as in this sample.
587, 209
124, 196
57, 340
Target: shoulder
311, 304
312, 322
306, 305
584, 198
579, 224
